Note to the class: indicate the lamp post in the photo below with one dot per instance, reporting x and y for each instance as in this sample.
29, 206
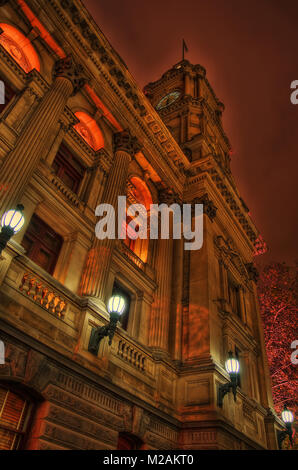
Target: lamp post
116, 306
12, 221
232, 367
287, 417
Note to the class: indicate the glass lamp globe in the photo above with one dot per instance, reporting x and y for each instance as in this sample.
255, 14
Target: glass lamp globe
13, 219
232, 365
287, 416
116, 304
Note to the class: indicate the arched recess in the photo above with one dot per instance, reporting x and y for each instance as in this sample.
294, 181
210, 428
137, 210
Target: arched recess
138, 193
89, 130
19, 47
127, 441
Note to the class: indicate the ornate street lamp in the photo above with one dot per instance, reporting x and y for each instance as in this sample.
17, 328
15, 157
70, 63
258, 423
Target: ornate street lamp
232, 367
116, 306
12, 221
287, 417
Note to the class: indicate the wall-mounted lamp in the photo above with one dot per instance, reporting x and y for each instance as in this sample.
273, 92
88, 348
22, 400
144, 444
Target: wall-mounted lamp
287, 417
232, 367
12, 221
116, 306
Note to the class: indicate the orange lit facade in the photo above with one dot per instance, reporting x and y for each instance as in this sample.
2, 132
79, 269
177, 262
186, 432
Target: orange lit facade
76, 131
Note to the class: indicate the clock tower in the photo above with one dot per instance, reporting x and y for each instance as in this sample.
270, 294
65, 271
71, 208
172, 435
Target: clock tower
213, 293
189, 107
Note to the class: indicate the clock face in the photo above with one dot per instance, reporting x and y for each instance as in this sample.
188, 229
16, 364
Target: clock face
168, 99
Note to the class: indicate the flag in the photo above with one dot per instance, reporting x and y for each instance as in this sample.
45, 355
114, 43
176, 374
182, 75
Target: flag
184, 48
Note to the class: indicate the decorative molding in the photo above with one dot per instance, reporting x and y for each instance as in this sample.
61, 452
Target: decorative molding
252, 272
228, 253
209, 207
236, 208
68, 68
126, 142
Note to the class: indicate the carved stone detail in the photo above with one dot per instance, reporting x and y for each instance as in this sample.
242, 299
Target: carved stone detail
252, 272
68, 68
209, 207
166, 196
126, 142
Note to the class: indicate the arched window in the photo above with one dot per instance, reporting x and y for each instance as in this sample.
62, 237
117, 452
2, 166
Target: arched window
128, 441
138, 193
19, 47
15, 411
89, 130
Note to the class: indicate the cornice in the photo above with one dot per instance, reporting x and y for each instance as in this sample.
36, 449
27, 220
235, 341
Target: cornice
177, 162
234, 203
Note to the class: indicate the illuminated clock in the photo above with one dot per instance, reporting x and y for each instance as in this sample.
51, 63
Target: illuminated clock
168, 99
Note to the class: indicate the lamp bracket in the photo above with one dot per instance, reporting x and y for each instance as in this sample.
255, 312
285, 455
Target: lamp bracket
100, 332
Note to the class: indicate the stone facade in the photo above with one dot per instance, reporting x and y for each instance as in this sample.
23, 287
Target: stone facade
158, 380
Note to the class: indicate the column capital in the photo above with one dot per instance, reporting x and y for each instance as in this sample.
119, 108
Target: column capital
126, 142
167, 196
69, 69
209, 207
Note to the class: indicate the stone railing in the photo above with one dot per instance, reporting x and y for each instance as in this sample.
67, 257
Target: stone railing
43, 295
134, 355
131, 256
130, 354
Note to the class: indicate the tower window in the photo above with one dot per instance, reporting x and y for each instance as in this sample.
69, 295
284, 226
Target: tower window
68, 169
42, 244
118, 289
14, 416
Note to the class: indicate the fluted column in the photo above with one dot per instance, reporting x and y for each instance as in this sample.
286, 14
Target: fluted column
21, 162
160, 313
97, 266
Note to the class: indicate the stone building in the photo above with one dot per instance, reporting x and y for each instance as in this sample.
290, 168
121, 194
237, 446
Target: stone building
75, 131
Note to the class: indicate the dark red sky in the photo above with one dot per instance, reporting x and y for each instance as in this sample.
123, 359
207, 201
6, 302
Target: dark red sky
249, 48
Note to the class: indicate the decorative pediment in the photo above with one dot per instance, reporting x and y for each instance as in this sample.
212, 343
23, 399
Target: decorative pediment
229, 254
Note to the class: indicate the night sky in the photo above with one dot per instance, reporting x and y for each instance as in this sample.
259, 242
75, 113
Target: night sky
249, 49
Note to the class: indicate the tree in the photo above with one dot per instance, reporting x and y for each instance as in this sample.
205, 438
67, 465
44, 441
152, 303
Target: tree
278, 288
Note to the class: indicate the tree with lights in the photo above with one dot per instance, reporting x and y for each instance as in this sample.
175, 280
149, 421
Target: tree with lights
278, 288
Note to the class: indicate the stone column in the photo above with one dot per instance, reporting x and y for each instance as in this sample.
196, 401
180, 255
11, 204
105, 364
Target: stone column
97, 266
21, 162
199, 342
160, 312
60, 134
